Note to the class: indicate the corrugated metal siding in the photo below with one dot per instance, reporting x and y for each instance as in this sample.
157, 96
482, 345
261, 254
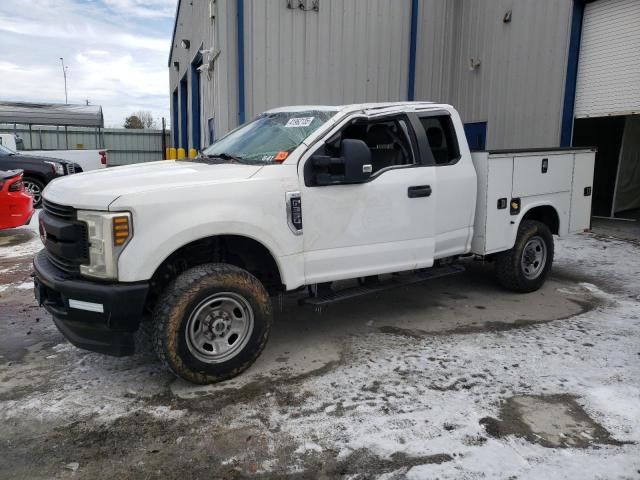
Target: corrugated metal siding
357, 50
435, 49
219, 93
609, 65
125, 146
518, 88
348, 52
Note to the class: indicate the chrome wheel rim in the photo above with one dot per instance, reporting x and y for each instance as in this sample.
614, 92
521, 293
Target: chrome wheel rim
219, 327
534, 258
33, 190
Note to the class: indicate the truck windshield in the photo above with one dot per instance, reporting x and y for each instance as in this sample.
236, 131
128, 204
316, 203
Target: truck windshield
270, 137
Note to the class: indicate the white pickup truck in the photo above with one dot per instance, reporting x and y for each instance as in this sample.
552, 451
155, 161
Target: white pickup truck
299, 197
87, 159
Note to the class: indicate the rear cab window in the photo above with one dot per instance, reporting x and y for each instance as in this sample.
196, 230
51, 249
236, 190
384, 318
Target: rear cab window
441, 136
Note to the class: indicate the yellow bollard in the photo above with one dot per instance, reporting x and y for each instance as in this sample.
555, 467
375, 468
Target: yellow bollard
193, 153
172, 153
181, 154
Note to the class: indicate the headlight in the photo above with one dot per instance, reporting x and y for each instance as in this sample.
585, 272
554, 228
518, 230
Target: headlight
57, 167
108, 234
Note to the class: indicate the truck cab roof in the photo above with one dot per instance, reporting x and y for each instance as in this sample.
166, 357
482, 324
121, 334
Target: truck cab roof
355, 107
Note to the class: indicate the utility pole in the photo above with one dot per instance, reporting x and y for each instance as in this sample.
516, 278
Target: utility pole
64, 73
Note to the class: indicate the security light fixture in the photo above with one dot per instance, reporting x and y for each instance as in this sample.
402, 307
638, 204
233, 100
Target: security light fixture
185, 44
176, 65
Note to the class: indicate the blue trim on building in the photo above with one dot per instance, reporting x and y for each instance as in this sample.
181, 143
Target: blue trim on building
240, 28
196, 113
476, 134
413, 41
577, 16
184, 116
175, 128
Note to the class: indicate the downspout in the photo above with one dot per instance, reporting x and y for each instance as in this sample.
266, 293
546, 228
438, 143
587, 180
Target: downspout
577, 16
240, 29
413, 40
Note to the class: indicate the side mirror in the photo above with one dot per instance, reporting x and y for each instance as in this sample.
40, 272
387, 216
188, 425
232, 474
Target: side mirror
352, 166
357, 161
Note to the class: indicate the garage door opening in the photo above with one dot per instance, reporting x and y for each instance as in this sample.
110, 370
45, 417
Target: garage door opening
616, 184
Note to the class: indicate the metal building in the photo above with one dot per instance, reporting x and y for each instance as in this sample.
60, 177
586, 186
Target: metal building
519, 71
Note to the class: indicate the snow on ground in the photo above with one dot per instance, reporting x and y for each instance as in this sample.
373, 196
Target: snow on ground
408, 403
425, 397
11, 249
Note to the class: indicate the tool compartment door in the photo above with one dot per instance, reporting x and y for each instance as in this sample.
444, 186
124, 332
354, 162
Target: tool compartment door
542, 174
582, 193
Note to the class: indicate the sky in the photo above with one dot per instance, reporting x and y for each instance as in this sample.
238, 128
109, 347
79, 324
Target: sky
116, 52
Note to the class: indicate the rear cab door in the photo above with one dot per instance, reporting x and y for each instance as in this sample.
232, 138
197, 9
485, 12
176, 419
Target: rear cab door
382, 225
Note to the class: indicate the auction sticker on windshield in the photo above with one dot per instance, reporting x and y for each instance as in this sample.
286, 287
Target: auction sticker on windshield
299, 122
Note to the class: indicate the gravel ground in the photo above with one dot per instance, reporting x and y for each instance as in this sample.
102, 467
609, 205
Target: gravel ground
450, 379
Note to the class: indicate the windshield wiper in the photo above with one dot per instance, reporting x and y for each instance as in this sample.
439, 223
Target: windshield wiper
228, 157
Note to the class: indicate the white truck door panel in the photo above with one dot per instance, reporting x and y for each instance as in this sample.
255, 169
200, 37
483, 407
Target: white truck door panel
582, 193
454, 219
540, 174
370, 228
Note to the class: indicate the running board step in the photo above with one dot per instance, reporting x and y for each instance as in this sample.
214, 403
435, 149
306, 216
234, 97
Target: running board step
394, 282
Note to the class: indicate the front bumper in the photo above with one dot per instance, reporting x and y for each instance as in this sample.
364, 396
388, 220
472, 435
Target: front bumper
101, 317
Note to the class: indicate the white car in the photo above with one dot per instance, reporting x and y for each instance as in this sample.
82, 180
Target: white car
87, 159
299, 197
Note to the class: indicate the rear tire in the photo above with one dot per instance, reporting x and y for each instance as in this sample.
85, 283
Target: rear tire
211, 323
524, 268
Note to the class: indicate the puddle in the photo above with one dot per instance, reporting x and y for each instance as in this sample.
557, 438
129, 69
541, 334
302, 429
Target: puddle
554, 421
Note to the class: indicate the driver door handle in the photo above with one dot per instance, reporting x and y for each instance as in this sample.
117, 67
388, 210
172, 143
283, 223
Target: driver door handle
419, 191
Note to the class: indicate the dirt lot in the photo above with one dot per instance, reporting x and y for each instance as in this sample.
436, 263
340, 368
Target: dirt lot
451, 379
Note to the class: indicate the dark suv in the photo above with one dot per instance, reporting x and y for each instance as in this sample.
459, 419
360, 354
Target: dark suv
38, 171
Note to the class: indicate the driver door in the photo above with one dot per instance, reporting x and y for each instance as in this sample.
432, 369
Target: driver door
383, 225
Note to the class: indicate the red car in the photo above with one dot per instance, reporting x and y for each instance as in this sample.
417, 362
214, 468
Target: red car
16, 206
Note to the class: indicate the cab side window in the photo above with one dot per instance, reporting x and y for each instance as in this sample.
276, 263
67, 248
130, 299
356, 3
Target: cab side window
388, 141
442, 139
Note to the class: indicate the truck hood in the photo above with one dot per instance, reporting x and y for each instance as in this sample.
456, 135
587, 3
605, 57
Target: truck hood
99, 188
38, 158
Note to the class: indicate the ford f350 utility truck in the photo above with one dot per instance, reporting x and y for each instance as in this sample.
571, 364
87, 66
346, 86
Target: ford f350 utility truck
299, 197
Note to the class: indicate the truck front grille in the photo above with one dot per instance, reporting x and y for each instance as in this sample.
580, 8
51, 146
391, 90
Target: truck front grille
71, 168
66, 241
57, 210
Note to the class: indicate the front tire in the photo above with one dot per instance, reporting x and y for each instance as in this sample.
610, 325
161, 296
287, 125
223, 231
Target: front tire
211, 323
524, 268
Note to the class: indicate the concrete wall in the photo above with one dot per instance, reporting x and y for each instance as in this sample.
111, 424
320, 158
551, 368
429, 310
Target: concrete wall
358, 50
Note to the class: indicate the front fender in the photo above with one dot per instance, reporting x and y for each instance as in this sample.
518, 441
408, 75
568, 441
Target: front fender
163, 223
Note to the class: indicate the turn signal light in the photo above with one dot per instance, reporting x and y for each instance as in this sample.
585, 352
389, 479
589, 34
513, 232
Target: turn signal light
121, 230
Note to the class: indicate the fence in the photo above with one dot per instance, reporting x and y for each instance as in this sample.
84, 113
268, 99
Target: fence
125, 146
